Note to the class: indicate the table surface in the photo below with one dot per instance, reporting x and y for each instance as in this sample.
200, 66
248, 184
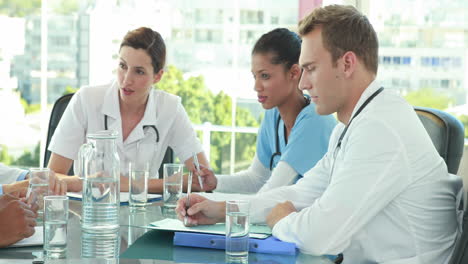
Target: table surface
134, 243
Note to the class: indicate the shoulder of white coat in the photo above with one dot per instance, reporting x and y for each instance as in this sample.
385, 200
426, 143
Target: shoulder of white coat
93, 93
95, 90
93, 97
164, 98
390, 98
389, 108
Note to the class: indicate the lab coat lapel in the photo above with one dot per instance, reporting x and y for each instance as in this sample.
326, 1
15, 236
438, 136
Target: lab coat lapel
111, 109
149, 119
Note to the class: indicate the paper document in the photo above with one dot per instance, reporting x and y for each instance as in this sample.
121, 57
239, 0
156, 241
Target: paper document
35, 240
123, 196
256, 231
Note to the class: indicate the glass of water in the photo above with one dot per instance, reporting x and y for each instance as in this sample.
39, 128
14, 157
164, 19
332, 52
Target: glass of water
138, 189
172, 184
237, 231
55, 226
39, 187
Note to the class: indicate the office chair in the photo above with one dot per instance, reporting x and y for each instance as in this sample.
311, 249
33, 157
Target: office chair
447, 134
57, 111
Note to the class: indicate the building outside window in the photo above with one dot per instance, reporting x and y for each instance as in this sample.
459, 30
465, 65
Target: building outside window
423, 46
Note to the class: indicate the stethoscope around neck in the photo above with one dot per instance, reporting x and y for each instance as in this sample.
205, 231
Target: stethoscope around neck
144, 128
340, 139
277, 147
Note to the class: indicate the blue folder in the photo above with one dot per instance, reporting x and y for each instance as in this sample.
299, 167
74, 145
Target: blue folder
269, 245
215, 256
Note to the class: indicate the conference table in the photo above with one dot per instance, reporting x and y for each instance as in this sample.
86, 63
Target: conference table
136, 243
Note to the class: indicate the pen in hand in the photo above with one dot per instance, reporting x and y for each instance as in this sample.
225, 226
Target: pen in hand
197, 167
187, 201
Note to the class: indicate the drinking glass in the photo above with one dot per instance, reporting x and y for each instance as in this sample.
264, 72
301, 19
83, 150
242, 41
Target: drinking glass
172, 184
39, 187
138, 184
237, 231
55, 226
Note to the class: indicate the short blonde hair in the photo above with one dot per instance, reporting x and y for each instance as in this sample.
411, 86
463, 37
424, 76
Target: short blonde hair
344, 29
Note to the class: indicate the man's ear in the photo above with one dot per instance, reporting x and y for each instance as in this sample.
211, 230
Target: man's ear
349, 61
157, 77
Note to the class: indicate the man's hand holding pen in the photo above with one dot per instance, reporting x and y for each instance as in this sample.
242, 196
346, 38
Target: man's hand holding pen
201, 211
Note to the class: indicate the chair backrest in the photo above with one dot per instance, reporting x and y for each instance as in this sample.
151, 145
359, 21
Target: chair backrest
447, 134
55, 116
57, 111
168, 158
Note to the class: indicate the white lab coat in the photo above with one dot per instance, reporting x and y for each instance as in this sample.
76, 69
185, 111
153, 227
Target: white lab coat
9, 175
390, 199
86, 113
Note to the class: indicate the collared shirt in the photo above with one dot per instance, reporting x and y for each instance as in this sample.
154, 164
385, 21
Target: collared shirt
9, 175
307, 143
86, 114
388, 200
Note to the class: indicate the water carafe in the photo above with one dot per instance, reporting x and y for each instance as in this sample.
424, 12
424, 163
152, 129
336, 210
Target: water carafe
100, 169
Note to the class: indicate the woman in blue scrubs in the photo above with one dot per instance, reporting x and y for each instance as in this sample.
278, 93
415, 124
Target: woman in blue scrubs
292, 136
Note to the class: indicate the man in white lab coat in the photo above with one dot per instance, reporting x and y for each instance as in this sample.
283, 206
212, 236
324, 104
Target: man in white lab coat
382, 193
17, 216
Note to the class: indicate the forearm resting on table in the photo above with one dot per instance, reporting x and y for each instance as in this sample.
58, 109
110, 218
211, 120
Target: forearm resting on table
15, 186
155, 185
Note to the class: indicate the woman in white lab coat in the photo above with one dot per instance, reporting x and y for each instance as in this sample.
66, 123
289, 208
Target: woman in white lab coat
130, 106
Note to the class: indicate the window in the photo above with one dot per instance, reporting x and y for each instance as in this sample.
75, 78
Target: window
444, 83
204, 58
426, 61
274, 20
387, 60
206, 35
406, 60
427, 37
251, 17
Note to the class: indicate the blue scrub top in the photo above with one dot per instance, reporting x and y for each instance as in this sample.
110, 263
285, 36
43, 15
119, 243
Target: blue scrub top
307, 143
